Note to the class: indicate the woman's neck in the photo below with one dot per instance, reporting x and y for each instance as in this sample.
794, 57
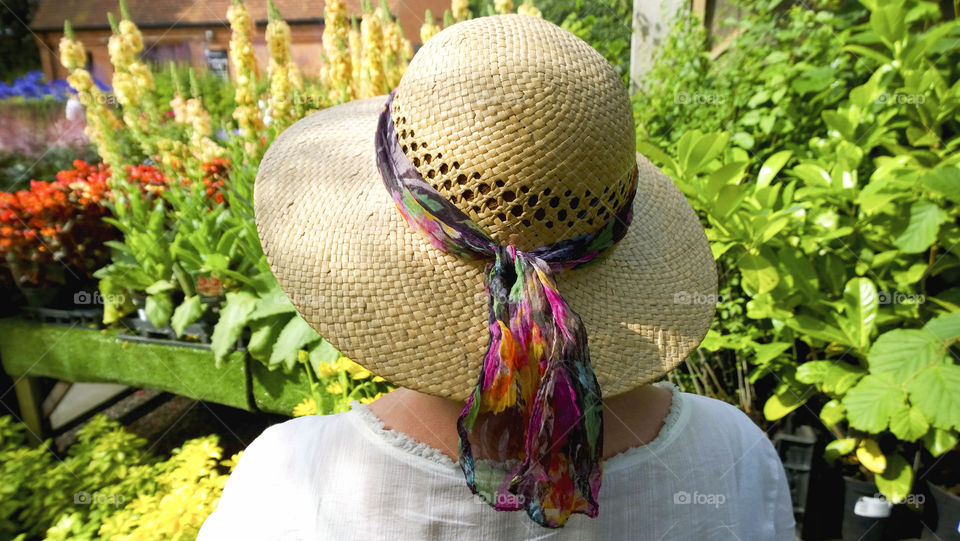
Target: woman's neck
629, 420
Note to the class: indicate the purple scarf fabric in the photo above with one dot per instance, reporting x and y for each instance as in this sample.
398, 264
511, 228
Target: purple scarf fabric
537, 367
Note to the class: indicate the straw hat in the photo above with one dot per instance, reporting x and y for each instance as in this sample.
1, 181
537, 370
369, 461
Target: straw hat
529, 131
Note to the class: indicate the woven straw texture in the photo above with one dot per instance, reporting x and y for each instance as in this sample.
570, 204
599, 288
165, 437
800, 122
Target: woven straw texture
416, 315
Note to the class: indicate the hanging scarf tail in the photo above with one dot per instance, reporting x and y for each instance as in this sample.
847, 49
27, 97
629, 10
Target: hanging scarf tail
537, 364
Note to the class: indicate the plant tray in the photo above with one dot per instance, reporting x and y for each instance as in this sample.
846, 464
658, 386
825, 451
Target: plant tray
31, 348
276, 391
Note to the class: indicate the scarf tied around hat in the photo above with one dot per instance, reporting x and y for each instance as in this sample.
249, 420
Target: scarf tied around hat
537, 366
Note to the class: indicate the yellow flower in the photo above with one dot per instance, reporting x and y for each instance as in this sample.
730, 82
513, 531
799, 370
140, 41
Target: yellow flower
368, 400
378, 379
460, 9
429, 29
503, 6
307, 407
232, 461
527, 8
335, 388
328, 370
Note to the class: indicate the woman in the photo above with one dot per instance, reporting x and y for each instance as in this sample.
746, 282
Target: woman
487, 239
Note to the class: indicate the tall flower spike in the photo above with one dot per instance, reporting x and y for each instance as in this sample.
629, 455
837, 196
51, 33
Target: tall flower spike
460, 9
282, 109
527, 8
503, 6
373, 80
335, 41
429, 28
247, 113
356, 55
101, 123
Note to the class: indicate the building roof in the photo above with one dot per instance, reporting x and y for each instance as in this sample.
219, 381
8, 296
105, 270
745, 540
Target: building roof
92, 14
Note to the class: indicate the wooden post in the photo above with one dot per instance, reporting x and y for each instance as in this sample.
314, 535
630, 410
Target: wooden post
28, 396
651, 22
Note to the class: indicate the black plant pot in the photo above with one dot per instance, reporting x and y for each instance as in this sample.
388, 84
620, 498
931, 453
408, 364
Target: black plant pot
943, 523
865, 515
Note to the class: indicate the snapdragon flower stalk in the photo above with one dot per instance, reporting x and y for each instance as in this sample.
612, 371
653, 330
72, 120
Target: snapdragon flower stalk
527, 8
101, 122
429, 28
356, 55
395, 47
195, 116
460, 10
338, 71
247, 113
503, 6
284, 75
373, 79
132, 80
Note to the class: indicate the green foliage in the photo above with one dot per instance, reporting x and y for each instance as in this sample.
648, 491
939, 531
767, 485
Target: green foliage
107, 479
822, 158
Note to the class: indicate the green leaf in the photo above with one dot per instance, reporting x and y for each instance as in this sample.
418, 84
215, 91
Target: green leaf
271, 304
840, 377
730, 173
934, 392
840, 123
768, 352
896, 480
233, 318
759, 275
160, 286
323, 352
263, 335
945, 327
944, 181
158, 308
295, 335
772, 166
888, 22
838, 448
902, 352
816, 328
189, 311
872, 401
783, 403
696, 150
832, 413
812, 174
908, 424
870, 456
939, 441
860, 305
921, 231
813, 371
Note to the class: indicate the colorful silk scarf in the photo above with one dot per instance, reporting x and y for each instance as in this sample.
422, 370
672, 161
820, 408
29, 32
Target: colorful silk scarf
537, 366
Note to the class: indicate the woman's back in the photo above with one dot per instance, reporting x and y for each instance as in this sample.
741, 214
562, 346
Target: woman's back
710, 473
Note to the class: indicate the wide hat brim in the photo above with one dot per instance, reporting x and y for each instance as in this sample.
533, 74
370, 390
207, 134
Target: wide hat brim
418, 316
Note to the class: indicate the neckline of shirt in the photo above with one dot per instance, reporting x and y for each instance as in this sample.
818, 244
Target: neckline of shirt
433, 459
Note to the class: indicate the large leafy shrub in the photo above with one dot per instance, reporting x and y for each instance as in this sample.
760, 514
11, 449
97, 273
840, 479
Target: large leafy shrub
827, 181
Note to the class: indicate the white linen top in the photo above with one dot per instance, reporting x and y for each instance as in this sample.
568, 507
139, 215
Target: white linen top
710, 473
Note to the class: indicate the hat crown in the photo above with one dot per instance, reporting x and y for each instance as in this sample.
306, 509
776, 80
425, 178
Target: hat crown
520, 124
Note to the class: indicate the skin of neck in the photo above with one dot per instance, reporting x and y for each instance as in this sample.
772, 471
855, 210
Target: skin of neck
630, 419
